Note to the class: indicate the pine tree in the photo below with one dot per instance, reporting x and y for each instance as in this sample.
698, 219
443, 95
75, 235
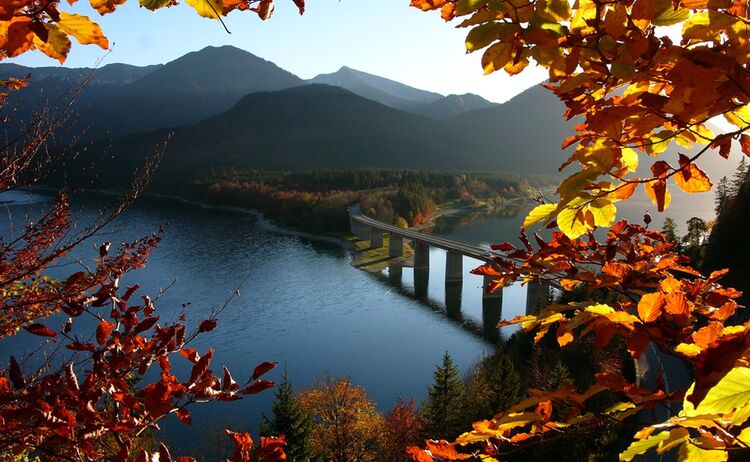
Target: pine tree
442, 409
492, 387
289, 419
558, 377
722, 196
669, 230
738, 179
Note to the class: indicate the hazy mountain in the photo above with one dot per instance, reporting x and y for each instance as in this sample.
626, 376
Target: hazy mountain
325, 127
452, 105
110, 75
183, 91
188, 89
379, 89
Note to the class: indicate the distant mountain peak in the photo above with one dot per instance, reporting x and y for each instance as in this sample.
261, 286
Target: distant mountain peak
376, 88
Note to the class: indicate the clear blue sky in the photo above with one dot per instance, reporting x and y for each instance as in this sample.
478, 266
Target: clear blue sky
383, 37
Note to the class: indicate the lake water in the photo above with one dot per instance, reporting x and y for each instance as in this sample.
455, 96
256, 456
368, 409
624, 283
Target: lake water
301, 304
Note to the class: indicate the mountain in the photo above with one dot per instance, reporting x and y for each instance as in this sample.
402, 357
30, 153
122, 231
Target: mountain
325, 127
183, 91
379, 89
522, 135
452, 105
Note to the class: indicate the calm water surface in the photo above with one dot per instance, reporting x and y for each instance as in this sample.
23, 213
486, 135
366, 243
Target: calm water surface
301, 304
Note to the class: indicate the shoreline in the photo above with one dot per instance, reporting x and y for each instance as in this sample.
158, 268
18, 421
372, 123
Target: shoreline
265, 223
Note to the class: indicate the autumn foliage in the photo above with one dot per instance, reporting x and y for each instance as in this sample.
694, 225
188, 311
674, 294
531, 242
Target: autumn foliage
635, 90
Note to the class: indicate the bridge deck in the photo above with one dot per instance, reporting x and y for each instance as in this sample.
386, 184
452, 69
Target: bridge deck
470, 250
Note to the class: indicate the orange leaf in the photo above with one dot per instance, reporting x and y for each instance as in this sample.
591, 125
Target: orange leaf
651, 306
691, 178
745, 144
444, 449
427, 5
418, 455
103, 331
105, 6
677, 304
707, 335
624, 191
659, 194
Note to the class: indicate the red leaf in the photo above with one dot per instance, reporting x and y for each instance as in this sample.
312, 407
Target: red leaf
190, 354
228, 384
262, 368
300, 5
243, 443
745, 144
184, 416
42, 330
103, 331
164, 455
207, 325
145, 325
257, 387
201, 366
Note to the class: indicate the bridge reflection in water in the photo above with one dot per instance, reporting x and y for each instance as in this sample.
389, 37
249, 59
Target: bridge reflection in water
437, 258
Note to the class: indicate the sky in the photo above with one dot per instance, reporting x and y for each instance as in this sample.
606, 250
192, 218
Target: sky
382, 37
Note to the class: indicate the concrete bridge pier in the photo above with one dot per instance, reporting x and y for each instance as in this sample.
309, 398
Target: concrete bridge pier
362, 232
453, 300
395, 273
421, 282
421, 255
492, 310
454, 267
376, 238
486, 294
537, 296
395, 246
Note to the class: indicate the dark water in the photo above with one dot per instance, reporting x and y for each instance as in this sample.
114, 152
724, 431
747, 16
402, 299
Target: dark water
302, 304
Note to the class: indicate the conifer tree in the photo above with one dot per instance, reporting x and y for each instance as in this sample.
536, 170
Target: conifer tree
738, 179
290, 419
559, 376
442, 409
492, 387
669, 229
722, 196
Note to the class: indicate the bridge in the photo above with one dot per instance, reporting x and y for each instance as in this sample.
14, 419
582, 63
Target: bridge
369, 229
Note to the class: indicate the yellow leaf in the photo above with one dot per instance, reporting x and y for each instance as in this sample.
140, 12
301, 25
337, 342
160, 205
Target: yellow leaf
539, 213
496, 57
482, 35
464, 7
691, 453
554, 10
206, 8
154, 4
604, 212
641, 446
572, 222
57, 45
741, 415
731, 392
670, 16
676, 437
690, 350
83, 29
740, 117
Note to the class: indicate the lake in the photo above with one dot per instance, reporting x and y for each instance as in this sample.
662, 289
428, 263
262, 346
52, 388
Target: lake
301, 304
